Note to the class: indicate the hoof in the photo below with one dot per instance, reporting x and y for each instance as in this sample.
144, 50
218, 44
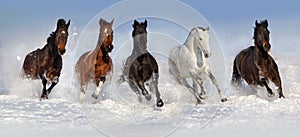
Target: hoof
148, 97
145, 93
95, 96
203, 96
271, 94
199, 101
44, 97
160, 103
224, 100
281, 96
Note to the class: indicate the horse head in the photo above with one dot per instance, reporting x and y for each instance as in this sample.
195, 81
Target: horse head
139, 35
261, 36
106, 35
201, 36
62, 35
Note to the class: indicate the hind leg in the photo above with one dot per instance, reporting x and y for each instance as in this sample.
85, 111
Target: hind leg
195, 91
153, 87
99, 83
135, 89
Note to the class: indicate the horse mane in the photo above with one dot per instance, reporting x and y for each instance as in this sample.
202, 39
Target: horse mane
52, 36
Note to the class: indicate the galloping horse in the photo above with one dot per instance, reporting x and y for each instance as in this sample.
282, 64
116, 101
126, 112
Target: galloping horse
96, 64
46, 63
141, 66
255, 65
189, 61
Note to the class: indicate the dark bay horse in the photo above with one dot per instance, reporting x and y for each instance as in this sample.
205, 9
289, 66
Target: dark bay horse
255, 65
96, 64
46, 63
141, 66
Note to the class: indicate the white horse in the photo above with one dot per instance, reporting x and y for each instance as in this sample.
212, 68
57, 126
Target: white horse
189, 61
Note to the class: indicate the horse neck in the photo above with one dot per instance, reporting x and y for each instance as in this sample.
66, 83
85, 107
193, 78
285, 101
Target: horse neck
190, 44
51, 45
260, 53
136, 48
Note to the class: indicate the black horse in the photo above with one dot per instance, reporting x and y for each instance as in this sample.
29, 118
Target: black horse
255, 65
141, 66
46, 63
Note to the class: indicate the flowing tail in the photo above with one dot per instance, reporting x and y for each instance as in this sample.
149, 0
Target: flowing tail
236, 76
122, 77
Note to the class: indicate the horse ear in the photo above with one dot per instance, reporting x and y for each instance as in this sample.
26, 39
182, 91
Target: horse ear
101, 22
266, 22
68, 24
135, 23
207, 28
145, 23
112, 21
256, 24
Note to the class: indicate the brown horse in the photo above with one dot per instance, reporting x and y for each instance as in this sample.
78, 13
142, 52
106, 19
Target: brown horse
255, 65
96, 64
46, 63
141, 66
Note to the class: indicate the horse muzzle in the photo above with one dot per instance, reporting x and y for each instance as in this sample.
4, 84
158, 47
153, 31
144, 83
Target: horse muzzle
267, 47
207, 55
61, 51
110, 48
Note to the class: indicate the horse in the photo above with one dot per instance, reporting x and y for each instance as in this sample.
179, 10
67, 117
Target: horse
255, 65
188, 60
96, 64
46, 63
141, 67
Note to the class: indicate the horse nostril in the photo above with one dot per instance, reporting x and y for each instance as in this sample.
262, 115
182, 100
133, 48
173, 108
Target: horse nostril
267, 47
62, 51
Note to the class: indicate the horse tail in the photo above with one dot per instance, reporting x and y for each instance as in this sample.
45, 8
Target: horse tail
236, 76
122, 78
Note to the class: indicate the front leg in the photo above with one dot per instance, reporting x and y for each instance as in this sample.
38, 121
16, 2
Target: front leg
141, 85
135, 89
44, 91
153, 87
270, 92
53, 83
99, 83
214, 81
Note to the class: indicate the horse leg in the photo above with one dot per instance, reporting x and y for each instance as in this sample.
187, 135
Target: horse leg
141, 85
135, 89
276, 80
214, 81
99, 83
44, 81
270, 92
83, 85
195, 91
153, 87
53, 83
